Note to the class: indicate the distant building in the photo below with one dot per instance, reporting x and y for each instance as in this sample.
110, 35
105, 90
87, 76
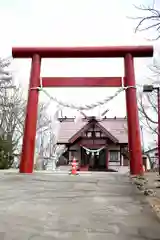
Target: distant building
153, 156
96, 144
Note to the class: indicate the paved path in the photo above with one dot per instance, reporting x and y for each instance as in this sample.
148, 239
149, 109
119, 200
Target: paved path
97, 206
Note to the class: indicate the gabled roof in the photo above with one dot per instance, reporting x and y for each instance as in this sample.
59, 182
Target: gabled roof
87, 126
107, 133
76, 135
117, 127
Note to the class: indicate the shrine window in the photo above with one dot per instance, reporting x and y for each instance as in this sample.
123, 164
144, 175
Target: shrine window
89, 134
102, 135
98, 134
114, 156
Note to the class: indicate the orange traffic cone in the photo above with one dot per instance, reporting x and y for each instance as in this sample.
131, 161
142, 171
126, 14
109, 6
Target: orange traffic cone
74, 167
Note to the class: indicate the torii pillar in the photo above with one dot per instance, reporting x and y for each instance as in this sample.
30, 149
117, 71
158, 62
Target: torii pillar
126, 52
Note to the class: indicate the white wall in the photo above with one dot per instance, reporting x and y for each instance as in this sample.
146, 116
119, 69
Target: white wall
114, 147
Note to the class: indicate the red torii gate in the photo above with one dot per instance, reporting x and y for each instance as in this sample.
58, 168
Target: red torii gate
126, 52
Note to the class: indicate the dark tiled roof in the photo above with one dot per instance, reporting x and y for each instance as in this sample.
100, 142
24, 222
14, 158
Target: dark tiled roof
116, 126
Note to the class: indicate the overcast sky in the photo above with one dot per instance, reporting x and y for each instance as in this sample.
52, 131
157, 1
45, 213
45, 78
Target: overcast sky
73, 23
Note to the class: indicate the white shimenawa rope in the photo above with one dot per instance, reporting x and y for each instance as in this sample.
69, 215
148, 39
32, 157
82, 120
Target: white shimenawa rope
93, 151
82, 107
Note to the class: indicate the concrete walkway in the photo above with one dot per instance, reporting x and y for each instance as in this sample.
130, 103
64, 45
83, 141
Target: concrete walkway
97, 206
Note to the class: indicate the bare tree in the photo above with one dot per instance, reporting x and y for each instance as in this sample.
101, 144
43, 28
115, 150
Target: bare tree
9, 100
12, 119
48, 152
149, 21
12, 110
148, 103
148, 111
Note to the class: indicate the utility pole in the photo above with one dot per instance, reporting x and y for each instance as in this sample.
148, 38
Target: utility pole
151, 88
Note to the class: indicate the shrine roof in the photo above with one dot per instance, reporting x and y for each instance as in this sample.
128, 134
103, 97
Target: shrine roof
115, 126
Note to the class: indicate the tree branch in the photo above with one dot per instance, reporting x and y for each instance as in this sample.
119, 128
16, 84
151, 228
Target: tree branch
154, 15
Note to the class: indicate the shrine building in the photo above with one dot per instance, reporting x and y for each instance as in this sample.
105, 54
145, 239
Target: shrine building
96, 144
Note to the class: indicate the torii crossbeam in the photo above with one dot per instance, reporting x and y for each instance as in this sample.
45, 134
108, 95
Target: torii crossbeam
126, 52
82, 81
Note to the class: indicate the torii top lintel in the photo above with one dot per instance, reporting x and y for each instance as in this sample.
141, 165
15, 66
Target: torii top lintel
82, 52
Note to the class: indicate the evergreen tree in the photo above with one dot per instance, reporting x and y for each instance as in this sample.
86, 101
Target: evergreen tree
6, 152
